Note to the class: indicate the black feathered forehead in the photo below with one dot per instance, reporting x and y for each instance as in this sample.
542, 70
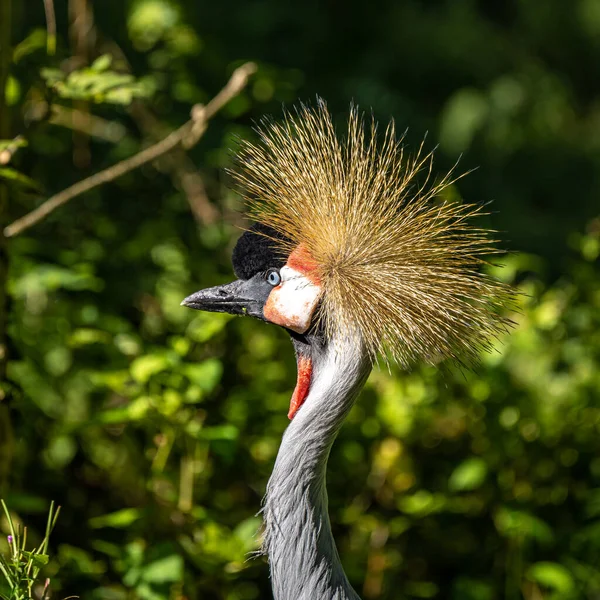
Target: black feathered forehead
255, 252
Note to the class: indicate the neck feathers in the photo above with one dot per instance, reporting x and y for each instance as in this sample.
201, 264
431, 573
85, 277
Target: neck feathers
298, 541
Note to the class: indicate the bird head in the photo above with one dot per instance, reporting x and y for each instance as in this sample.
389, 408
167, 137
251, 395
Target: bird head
270, 286
352, 240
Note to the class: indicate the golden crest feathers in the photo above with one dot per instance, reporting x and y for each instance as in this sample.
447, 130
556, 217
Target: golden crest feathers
397, 264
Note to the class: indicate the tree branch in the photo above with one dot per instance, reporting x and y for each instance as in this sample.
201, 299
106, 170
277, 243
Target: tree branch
187, 135
8, 152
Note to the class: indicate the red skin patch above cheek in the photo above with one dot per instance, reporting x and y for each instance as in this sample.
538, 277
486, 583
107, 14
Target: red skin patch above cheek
302, 385
300, 260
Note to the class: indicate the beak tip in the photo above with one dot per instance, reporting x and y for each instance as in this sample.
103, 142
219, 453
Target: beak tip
189, 301
220, 298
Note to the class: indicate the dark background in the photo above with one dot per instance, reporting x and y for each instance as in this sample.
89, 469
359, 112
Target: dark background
156, 428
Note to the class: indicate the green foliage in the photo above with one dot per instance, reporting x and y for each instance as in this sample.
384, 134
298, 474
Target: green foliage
469, 475
156, 427
97, 83
553, 577
20, 569
12, 176
19, 143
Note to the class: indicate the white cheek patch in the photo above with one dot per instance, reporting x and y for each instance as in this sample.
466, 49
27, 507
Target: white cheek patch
293, 302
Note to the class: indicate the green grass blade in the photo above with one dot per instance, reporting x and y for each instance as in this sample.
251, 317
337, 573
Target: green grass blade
10, 521
5, 568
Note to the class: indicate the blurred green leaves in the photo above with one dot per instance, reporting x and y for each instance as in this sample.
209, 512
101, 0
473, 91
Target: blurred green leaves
16, 178
520, 525
98, 83
118, 519
469, 475
150, 20
151, 572
144, 367
16, 143
553, 577
465, 112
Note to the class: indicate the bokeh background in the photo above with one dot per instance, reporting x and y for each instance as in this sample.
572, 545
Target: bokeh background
155, 427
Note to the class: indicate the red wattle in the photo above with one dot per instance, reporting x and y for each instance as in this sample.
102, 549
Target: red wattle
302, 385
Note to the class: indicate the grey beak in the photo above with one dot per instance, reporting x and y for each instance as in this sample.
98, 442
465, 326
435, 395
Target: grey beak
241, 297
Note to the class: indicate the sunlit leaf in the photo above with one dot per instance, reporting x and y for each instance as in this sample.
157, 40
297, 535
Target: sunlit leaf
118, 519
85, 336
16, 143
469, 475
206, 325
102, 63
463, 115
518, 524
144, 367
39, 560
553, 576
150, 20
421, 503
219, 432
163, 570
20, 179
205, 374
36, 40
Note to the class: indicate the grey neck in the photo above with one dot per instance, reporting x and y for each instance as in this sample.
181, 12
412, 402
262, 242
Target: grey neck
303, 558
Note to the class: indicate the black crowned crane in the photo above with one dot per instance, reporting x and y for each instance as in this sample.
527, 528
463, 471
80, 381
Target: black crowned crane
355, 260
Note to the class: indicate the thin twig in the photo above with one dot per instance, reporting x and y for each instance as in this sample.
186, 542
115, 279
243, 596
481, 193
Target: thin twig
187, 132
50, 27
7, 153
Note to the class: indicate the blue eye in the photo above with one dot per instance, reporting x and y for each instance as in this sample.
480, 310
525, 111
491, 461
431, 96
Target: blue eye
274, 278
